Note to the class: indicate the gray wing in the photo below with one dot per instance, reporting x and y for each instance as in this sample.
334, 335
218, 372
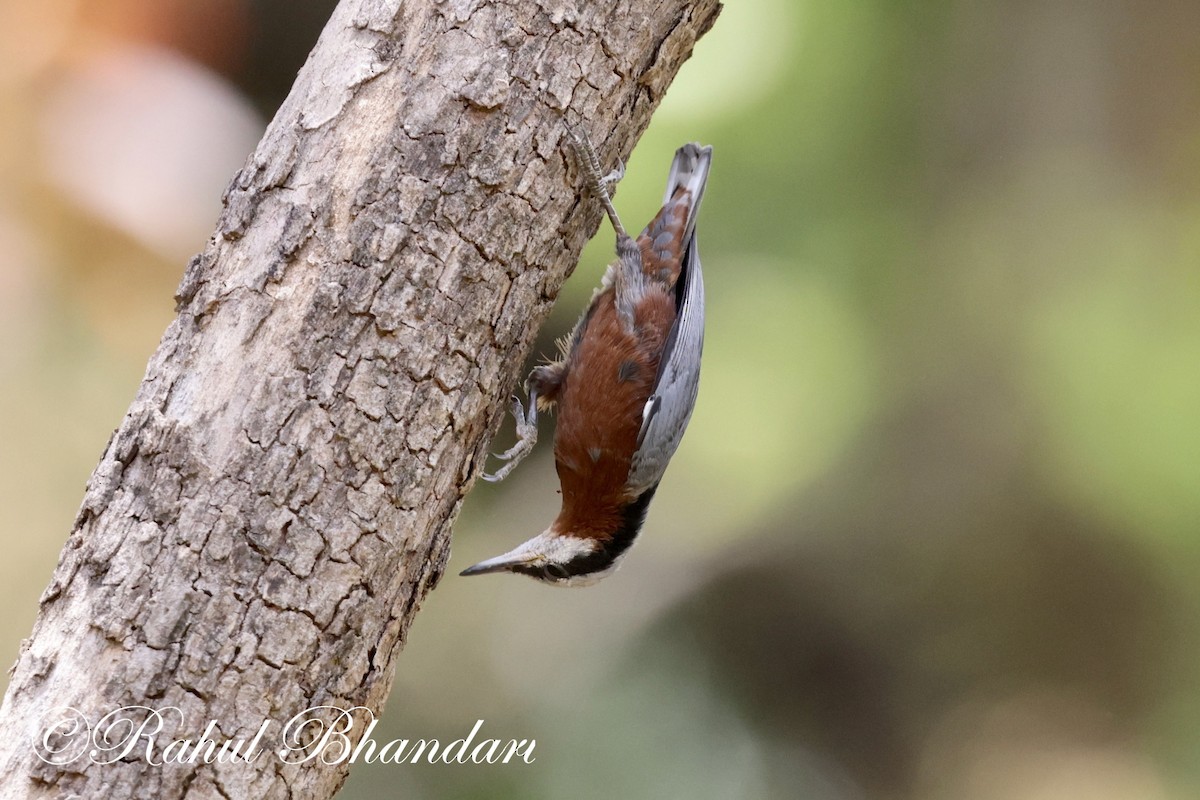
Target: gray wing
666, 413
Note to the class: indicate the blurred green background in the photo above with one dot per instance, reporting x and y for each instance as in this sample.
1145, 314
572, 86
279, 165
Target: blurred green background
932, 533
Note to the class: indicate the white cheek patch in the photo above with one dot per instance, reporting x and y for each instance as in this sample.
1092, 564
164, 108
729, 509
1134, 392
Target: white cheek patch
558, 549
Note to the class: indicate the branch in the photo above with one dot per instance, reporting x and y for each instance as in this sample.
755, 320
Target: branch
277, 501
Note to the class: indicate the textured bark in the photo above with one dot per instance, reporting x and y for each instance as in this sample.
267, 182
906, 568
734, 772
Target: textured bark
277, 501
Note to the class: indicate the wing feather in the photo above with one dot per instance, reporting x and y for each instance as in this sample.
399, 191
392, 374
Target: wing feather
667, 412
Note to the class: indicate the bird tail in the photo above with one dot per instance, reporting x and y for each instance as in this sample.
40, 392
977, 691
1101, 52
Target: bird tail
690, 171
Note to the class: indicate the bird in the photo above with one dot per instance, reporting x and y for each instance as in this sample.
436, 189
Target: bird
623, 387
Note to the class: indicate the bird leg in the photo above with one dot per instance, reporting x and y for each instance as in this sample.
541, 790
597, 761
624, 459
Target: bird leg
545, 382
543, 386
598, 182
527, 434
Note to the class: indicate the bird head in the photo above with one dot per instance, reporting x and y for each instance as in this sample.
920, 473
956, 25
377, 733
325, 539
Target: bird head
554, 558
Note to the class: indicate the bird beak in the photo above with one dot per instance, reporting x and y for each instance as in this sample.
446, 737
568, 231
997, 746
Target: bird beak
532, 552
526, 553
497, 564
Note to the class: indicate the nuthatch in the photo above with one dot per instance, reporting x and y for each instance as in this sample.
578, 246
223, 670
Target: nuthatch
625, 385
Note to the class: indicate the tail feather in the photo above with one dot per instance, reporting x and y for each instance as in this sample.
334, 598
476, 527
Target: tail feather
689, 170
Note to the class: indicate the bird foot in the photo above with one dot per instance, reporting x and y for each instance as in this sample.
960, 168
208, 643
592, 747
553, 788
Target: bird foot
526, 438
598, 181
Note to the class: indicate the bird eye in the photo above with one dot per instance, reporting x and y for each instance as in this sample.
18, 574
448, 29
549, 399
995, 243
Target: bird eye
555, 572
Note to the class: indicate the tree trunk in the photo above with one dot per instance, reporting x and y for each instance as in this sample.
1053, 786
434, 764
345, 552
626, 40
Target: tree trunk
278, 499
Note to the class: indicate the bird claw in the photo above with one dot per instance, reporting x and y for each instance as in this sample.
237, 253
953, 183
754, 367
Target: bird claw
613, 178
526, 439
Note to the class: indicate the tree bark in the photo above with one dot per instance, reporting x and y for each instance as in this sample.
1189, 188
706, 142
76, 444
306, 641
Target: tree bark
277, 501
